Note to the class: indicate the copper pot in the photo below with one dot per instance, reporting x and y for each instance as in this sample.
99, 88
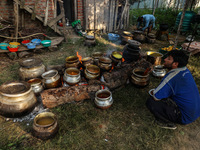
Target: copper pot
72, 76
72, 61
31, 68
105, 63
155, 58
103, 99
92, 72
51, 79
16, 99
87, 61
45, 125
96, 56
138, 78
36, 85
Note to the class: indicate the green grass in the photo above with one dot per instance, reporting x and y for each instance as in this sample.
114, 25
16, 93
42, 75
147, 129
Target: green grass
127, 124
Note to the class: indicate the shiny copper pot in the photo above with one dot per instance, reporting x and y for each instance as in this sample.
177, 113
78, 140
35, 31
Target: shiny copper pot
92, 72
103, 99
105, 63
31, 68
51, 79
72, 76
138, 78
16, 99
155, 58
87, 61
36, 85
72, 61
45, 125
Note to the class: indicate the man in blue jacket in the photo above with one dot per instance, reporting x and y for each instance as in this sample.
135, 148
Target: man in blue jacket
176, 99
148, 21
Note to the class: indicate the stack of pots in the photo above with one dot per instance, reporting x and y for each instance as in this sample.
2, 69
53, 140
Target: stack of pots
96, 56
90, 41
151, 38
132, 51
92, 72
31, 68
16, 99
105, 63
126, 36
139, 36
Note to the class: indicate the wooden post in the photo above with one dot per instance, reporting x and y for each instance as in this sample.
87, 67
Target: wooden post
155, 5
34, 10
116, 14
75, 9
94, 17
63, 19
180, 24
122, 15
46, 13
16, 13
55, 13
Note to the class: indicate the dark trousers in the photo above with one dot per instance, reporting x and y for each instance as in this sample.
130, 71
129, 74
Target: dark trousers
164, 110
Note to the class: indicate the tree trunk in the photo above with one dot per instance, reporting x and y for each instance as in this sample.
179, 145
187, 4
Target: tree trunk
155, 5
180, 23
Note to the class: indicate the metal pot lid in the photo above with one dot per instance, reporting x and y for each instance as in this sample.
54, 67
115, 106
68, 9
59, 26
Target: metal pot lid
30, 62
127, 33
138, 32
134, 43
15, 87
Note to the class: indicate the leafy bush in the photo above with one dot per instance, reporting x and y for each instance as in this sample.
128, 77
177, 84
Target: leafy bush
162, 15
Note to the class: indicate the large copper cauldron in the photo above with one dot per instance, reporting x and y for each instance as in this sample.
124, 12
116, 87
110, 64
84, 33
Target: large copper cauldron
31, 68
16, 99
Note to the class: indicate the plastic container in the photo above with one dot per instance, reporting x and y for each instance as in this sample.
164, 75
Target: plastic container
4, 46
14, 44
11, 49
36, 41
31, 45
46, 43
113, 37
25, 42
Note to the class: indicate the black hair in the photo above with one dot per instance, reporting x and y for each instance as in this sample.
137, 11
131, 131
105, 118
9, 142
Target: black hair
179, 56
139, 19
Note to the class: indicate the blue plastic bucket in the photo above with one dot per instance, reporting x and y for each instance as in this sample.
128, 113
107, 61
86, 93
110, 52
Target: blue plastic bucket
31, 45
36, 41
113, 37
3, 46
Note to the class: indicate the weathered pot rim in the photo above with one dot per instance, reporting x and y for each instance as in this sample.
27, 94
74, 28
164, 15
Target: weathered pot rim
49, 71
86, 59
142, 69
96, 67
97, 54
72, 68
73, 61
117, 53
105, 60
44, 114
27, 85
37, 79
149, 53
101, 91
30, 62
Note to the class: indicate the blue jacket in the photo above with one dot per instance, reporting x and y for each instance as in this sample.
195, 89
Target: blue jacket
147, 20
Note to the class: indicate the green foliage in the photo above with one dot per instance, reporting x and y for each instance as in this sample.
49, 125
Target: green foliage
162, 15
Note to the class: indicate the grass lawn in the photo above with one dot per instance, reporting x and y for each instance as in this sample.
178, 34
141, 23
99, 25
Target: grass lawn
126, 125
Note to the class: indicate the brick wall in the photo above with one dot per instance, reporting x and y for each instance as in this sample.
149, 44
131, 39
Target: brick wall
6, 9
80, 14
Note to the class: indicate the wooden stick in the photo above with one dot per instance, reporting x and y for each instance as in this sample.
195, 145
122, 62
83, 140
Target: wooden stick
46, 13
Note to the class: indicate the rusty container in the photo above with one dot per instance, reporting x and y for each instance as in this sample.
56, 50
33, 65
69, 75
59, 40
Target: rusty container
138, 78
51, 79
45, 125
36, 85
31, 68
72, 61
92, 72
105, 63
16, 99
103, 99
72, 76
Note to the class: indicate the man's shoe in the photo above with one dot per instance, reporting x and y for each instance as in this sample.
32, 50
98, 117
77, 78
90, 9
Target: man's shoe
170, 126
